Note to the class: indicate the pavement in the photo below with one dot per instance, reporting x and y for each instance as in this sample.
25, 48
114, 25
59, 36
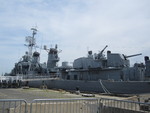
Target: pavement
34, 93
30, 94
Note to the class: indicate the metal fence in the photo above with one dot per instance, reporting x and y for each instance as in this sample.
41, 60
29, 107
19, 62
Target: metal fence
113, 105
65, 106
81, 105
13, 106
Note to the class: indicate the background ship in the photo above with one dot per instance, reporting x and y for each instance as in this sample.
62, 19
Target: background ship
94, 73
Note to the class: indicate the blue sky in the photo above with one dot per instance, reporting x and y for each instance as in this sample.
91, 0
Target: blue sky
75, 25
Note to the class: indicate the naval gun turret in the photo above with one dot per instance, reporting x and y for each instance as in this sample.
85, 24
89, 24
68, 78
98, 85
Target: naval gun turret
90, 62
103, 49
100, 55
118, 60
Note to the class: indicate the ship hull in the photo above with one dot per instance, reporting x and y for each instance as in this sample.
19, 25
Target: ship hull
115, 87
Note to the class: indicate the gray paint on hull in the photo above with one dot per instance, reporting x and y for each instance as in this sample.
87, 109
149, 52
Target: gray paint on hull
116, 87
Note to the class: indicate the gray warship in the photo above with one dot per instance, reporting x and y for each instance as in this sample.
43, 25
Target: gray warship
95, 73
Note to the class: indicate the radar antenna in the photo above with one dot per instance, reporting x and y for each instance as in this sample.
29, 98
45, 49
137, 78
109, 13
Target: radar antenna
31, 41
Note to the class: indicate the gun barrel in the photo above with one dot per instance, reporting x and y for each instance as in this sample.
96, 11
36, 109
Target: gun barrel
133, 55
104, 49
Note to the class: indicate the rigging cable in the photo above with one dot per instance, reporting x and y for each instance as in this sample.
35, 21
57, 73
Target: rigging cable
104, 88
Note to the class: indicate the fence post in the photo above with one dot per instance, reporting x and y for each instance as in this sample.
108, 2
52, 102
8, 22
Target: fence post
26, 109
100, 106
31, 107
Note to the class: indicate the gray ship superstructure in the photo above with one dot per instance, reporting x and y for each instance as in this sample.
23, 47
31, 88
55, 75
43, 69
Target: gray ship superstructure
95, 73
29, 64
110, 74
115, 67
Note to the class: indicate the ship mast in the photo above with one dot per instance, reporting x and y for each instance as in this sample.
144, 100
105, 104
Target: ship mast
31, 41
